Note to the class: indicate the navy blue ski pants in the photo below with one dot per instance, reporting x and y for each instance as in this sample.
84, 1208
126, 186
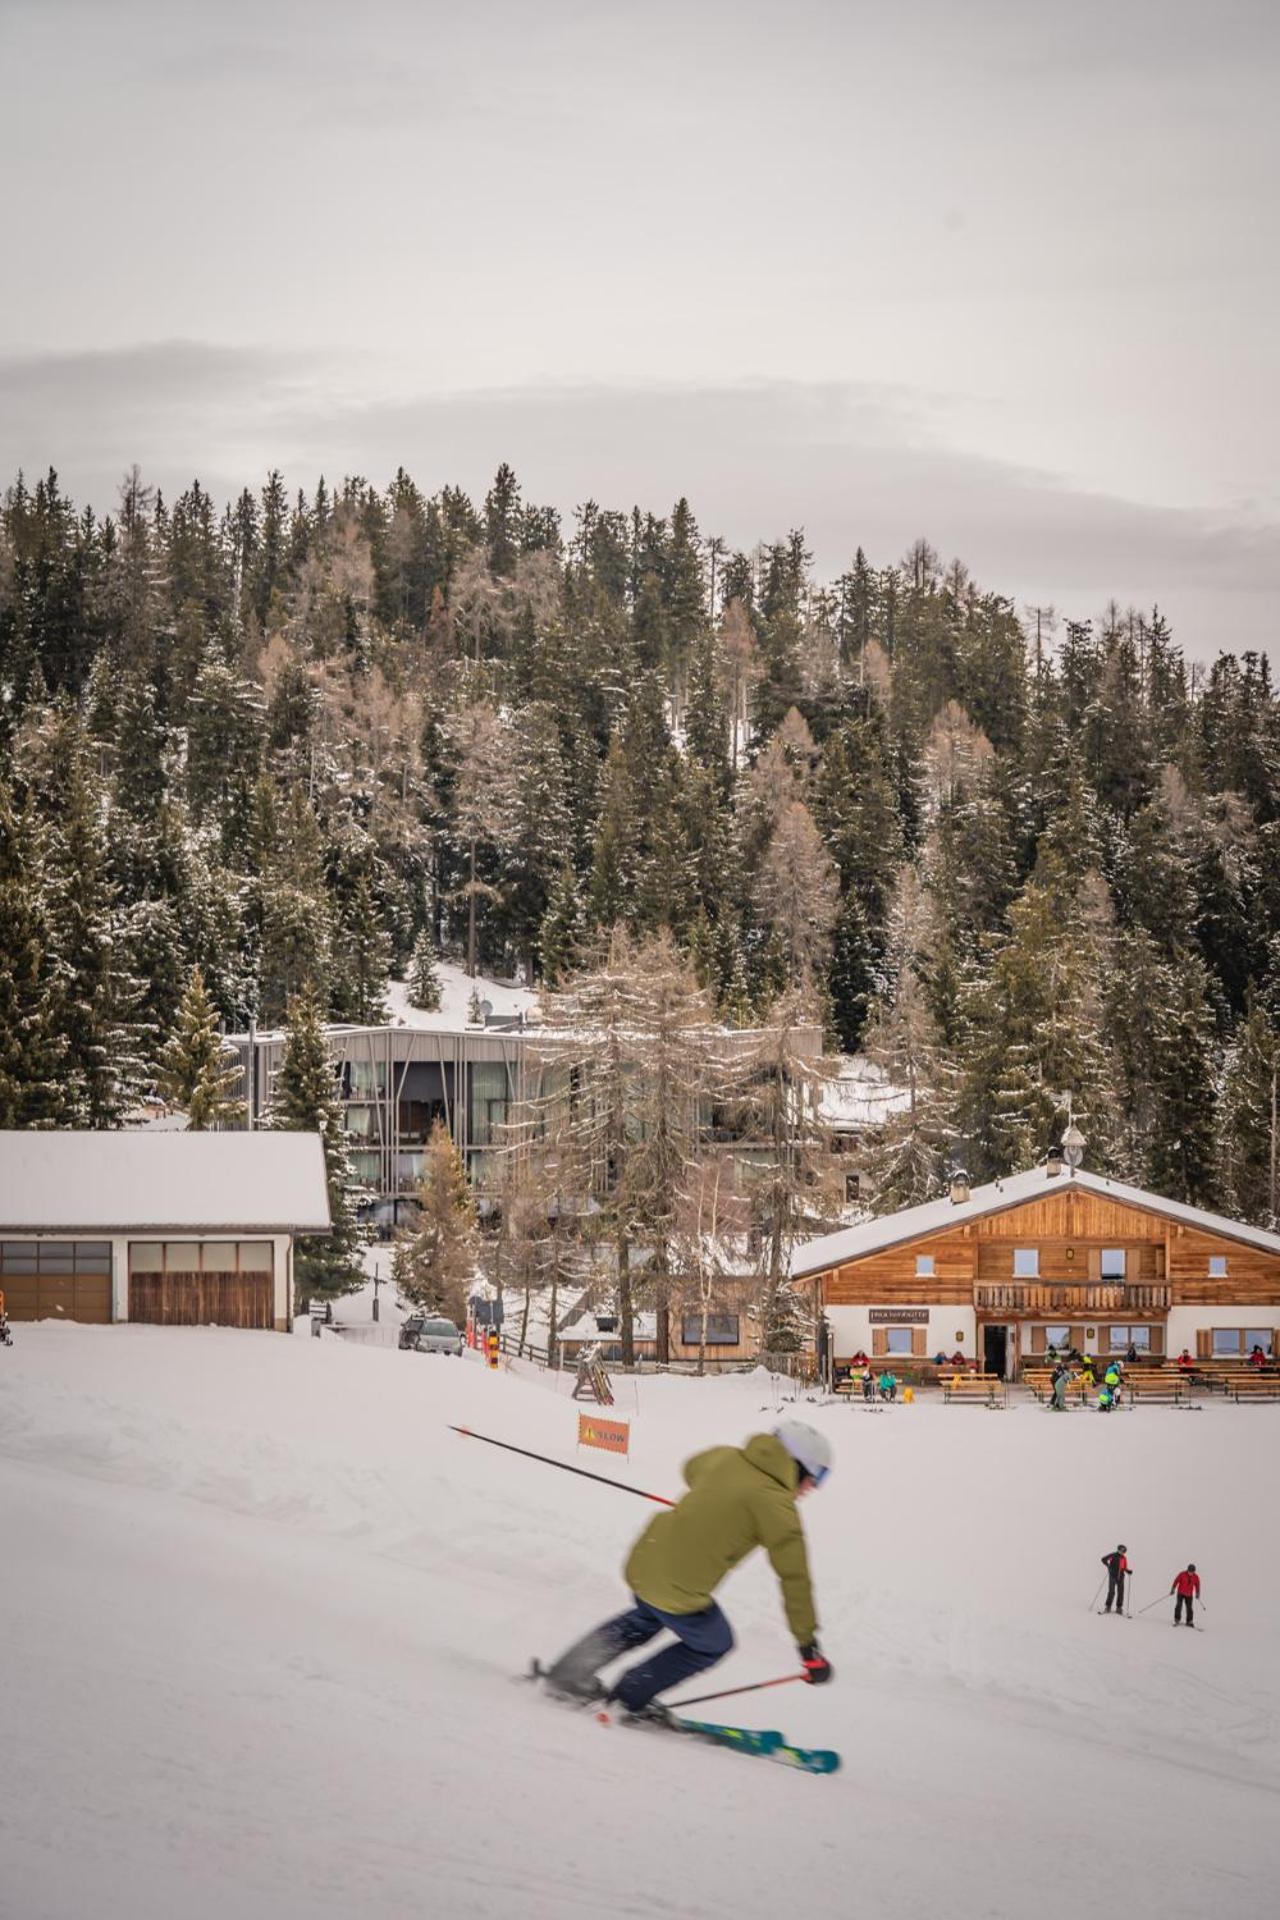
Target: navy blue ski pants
701, 1640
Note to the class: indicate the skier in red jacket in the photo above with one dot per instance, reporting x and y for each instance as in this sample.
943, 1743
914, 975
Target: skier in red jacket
1187, 1587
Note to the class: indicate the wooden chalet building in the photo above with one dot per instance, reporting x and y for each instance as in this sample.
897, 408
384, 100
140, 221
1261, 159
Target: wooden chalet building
1056, 1257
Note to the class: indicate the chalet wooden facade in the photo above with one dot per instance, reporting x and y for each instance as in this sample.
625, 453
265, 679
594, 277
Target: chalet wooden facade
1049, 1258
732, 1330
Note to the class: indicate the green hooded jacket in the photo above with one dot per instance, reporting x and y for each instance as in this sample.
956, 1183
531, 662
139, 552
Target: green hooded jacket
739, 1498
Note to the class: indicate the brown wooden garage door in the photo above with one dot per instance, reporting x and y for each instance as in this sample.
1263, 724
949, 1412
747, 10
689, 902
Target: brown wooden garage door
201, 1299
56, 1280
201, 1284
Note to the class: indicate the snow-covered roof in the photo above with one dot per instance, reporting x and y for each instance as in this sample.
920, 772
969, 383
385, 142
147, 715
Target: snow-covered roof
859, 1095
937, 1216
152, 1182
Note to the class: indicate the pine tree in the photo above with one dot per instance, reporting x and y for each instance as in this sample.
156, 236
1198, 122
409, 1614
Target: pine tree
306, 1100
31, 1050
199, 1072
103, 1064
1033, 1027
538, 832
423, 977
364, 960
1182, 1153
907, 1153
561, 928
853, 974
1248, 1121
434, 1262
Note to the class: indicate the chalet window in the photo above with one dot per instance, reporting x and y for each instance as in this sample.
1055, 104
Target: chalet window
1230, 1342
1113, 1263
897, 1340
1026, 1263
722, 1330
1217, 1266
1124, 1337
924, 1266
1057, 1337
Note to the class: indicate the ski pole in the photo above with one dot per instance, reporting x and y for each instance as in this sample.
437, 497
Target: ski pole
1155, 1603
757, 1686
564, 1466
1093, 1604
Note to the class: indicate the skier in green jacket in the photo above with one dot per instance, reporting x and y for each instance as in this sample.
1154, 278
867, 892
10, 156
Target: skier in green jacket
739, 1498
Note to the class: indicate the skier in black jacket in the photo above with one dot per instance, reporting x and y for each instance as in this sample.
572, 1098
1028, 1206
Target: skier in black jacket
1117, 1566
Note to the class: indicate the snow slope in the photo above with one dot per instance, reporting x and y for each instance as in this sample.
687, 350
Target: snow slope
261, 1610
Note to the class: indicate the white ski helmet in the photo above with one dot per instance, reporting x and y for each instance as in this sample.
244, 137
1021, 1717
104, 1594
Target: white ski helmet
806, 1445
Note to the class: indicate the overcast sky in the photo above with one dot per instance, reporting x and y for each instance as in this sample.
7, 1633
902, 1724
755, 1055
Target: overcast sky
1004, 274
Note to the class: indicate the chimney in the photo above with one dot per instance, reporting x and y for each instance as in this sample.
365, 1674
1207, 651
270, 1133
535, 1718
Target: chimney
959, 1187
1053, 1165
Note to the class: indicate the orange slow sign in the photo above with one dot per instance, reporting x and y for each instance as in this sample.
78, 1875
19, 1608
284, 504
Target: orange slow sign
613, 1436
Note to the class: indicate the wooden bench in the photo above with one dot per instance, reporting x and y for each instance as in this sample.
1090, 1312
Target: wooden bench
979, 1389
1168, 1388
1040, 1383
1254, 1385
1220, 1376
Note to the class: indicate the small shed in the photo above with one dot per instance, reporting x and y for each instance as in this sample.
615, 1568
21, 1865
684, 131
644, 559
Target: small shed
175, 1229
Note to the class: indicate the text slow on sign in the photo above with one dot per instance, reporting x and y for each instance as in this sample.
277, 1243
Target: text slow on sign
611, 1436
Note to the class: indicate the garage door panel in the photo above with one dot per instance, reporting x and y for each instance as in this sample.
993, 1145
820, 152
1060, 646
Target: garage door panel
21, 1296
57, 1280
57, 1296
202, 1299
93, 1298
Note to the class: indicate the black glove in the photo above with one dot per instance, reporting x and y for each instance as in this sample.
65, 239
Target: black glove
817, 1669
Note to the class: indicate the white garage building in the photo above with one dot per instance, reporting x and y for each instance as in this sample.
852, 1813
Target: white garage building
176, 1229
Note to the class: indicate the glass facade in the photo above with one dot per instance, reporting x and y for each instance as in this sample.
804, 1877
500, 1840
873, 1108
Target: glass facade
488, 1097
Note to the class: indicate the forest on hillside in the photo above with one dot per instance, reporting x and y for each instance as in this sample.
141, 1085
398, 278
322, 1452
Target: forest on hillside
300, 738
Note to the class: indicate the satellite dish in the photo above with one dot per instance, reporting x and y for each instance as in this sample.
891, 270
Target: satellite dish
486, 1008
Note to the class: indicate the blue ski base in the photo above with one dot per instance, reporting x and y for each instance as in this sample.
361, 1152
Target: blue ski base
765, 1744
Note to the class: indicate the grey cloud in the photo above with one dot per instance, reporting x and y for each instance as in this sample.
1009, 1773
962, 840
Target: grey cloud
177, 407
852, 465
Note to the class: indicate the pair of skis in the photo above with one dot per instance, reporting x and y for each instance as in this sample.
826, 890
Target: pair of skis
763, 1743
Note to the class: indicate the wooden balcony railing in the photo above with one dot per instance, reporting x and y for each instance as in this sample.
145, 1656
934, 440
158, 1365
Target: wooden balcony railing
1062, 1301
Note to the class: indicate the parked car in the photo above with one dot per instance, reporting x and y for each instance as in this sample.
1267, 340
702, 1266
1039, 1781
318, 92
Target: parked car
428, 1333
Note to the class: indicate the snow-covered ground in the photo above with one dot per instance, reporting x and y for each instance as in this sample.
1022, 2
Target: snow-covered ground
262, 1610
456, 988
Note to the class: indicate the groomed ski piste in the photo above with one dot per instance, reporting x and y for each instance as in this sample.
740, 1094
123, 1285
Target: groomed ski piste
264, 1617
